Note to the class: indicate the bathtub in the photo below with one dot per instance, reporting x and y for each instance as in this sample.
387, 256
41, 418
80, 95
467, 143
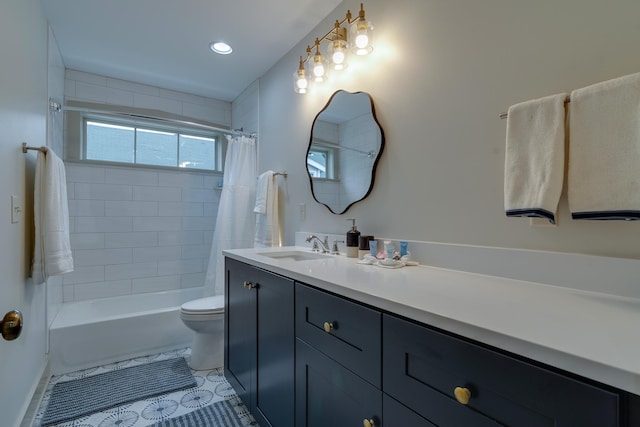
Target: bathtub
91, 333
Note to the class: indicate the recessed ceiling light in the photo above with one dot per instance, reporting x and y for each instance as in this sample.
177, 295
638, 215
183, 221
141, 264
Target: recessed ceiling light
220, 47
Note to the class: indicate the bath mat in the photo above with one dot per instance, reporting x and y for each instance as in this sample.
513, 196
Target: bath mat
219, 414
72, 399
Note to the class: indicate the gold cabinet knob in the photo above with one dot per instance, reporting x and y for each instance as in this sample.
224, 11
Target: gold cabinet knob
368, 423
462, 394
328, 326
11, 325
249, 285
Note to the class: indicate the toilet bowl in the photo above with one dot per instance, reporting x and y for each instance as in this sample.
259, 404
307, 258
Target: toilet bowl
205, 317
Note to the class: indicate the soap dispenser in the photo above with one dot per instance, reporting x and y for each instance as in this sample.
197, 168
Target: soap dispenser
353, 240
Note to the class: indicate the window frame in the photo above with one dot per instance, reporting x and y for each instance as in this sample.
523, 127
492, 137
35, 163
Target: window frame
154, 126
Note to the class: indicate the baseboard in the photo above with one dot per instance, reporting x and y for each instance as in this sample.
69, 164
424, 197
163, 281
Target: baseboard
36, 395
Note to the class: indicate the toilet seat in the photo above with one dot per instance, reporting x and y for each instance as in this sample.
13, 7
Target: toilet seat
203, 306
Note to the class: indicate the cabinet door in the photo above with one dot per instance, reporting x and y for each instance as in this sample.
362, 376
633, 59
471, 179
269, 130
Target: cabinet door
328, 394
423, 367
398, 415
274, 393
240, 329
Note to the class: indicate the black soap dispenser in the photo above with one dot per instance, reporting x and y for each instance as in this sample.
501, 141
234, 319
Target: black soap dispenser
353, 240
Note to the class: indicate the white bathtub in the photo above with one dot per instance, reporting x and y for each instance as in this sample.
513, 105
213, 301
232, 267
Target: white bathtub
92, 333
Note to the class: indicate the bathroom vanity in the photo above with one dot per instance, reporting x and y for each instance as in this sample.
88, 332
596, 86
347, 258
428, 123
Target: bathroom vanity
315, 339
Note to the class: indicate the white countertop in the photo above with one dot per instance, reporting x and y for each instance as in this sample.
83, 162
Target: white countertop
591, 334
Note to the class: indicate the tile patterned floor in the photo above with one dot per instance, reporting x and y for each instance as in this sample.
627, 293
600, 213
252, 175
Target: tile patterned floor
212, 387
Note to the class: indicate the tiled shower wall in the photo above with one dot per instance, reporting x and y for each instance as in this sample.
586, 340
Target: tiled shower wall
139, 229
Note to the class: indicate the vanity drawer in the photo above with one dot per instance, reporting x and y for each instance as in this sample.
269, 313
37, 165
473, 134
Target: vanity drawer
423, 367
346, 331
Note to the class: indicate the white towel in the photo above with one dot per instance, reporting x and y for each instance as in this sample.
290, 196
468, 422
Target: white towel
262, 190
52, 252
534, 157
268, 223
604, 150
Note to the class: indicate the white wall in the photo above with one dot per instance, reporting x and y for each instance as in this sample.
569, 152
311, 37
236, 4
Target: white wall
440, 74
23, 110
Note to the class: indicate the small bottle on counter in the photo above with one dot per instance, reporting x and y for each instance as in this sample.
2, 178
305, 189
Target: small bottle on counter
353, 240
364, 246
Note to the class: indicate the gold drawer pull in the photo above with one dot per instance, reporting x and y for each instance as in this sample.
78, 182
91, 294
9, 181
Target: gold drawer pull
462, 394
368, 423
328, 327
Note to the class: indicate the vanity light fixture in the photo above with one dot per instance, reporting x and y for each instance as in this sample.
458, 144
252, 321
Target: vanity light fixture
356, 36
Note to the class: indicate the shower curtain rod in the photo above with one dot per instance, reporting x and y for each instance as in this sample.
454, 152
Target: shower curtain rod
161, 119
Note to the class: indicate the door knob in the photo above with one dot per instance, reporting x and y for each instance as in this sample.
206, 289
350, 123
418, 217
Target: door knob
11, 325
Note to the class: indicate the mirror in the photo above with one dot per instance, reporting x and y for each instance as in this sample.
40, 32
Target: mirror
345, 146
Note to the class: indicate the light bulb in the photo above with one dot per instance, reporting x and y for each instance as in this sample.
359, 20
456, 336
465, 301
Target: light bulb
318, 68
338, 57
362, 40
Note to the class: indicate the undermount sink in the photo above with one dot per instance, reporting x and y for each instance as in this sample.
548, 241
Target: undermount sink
294, 255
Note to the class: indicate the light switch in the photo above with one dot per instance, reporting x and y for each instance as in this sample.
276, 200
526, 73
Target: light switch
16, 209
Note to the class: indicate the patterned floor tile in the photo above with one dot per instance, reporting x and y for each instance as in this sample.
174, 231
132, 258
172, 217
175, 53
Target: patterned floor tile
212, 387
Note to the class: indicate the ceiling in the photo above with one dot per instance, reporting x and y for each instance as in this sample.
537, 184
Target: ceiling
165, 43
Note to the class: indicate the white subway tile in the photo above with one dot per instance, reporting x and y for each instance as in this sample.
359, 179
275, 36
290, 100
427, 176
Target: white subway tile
163, 253
86, 224
102, 256
211, 181
189, 237
86, 240
156, 284
198, 195
86, 207
131, 240
86, 174
81, 76
196, 251
208, 113
182, 266
130, 271
159, 194
84, 275
181, 179
103, 94
89, 291
131, 176
157, 103
210, 210
69, 89
182, 97
133, 87
165, 223
67, 293
207, 236
198, 223
103, 191
180, 209
192, 280
130, 208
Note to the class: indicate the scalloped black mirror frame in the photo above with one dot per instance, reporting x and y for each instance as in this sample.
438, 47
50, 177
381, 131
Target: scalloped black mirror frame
375, 163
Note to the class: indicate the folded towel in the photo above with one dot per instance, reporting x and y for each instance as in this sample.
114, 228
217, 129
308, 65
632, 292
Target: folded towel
534, 158
268, 223
262, 189
52, 252
604, 150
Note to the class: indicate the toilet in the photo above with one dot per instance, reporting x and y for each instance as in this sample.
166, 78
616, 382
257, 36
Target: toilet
205, 317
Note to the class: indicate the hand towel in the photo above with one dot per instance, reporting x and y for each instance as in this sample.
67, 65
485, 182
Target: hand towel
268, 223
604, 150
262, 189
534, 157
52, 252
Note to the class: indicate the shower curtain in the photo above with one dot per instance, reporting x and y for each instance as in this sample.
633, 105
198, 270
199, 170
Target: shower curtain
235, 222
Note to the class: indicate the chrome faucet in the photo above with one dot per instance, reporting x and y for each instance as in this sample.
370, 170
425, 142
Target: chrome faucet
324, 244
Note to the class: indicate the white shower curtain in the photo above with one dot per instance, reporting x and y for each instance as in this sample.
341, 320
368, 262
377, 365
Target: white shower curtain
235, 222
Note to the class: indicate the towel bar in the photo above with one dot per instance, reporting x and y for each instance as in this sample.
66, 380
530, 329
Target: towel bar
25, 148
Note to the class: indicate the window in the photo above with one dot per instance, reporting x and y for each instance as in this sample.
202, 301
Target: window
149, 144
321, 163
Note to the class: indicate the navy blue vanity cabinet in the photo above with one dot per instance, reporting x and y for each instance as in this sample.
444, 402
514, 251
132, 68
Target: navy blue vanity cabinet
260, 342
398, 415
446, 379
338, 361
